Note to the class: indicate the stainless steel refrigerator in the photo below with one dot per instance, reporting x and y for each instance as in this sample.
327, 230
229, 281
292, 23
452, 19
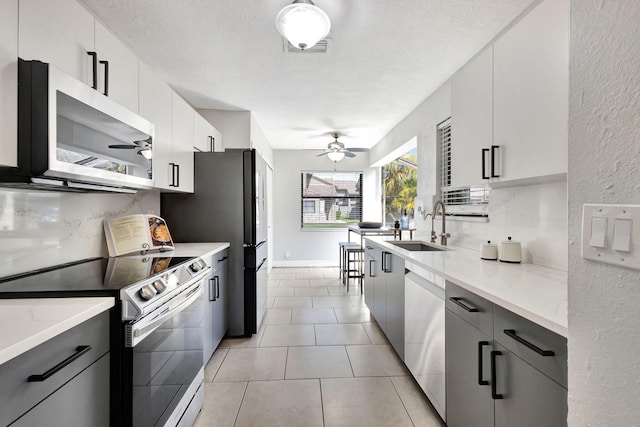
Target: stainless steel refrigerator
228, 205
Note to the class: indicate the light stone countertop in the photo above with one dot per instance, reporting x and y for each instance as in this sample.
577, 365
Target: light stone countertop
199, 249
27, 323
536, 293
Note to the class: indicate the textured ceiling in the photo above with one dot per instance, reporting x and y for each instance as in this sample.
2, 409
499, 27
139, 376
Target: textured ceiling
385, 58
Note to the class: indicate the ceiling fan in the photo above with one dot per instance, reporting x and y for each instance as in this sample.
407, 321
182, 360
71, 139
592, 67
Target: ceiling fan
143, 146
336, 150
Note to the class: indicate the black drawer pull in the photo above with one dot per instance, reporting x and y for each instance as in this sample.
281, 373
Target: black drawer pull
456, 300
223, 259
494, 394
80, 350
512, 333
481, 381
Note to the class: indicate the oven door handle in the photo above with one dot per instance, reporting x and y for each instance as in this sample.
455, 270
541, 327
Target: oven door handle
191, 296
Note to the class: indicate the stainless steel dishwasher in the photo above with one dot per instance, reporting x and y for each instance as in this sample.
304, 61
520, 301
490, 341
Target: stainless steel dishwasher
424, 347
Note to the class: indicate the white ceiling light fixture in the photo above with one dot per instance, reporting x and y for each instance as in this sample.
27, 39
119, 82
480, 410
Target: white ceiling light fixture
335, 156
146, 152
303, 24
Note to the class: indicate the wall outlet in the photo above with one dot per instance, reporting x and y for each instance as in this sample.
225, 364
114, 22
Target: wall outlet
611, 234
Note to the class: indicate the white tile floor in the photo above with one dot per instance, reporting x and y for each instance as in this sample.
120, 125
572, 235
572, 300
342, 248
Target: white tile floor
318, 360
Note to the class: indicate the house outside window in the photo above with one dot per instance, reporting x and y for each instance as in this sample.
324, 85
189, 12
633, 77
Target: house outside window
330, 200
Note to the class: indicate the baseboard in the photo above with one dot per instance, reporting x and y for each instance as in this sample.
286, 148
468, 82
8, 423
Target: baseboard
305, 263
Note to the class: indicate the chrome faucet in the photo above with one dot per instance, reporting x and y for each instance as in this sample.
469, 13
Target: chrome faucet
443, 235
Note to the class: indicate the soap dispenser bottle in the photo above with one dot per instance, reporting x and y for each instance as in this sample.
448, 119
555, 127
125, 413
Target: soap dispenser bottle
404, 220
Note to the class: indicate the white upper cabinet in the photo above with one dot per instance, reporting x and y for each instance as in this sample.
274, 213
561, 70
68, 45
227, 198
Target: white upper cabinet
531, 93
123, 69
472, 120
62, 32
59, 32
206, 137
155, 106
182, 145
8, 83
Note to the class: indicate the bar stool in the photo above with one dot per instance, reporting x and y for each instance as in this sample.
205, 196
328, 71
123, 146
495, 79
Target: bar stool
341, 264
353, 257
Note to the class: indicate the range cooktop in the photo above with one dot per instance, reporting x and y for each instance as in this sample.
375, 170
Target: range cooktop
90, 277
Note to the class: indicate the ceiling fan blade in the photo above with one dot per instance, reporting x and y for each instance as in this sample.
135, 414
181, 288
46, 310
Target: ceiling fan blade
358, 150
348, 153
323, 154
125, 146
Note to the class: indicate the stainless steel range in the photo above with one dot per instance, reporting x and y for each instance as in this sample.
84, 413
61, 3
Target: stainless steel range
157, 369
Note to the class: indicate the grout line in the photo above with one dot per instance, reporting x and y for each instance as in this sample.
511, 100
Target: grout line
350, 364
321, 401
244, 393
402, 401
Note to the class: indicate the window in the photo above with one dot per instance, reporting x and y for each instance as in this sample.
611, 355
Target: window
330, 199
400, 186
444, 141
460, 201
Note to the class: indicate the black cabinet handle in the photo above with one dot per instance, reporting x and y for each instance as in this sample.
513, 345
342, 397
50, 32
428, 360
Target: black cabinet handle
106, 77
212, 144
80, 350
494, 149
177, 175
494, 394
481, 381
484, 163
217, 287
94, 59
223, 259
386, 267
173, 179
512, 333
212, 293
371, 261
456, 300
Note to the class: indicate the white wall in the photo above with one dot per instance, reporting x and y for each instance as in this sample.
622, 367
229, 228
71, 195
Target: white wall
310, 247
604, 167
235, 126
44, 228
260, 142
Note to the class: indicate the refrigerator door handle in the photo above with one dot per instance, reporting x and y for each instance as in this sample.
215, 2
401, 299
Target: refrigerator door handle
261, 264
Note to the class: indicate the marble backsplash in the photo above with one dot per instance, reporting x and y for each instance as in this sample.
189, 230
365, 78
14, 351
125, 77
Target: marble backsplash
535, 215
43, 228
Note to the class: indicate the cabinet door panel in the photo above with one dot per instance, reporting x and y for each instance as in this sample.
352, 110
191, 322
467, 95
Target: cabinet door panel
369, 278
530, 398
471, 118
468, 403
8, 83
202, 133
531, 98
155, 106
182, 142
209, 312
83, 401
221, 305
380, 293
123, 68
59, 32
395, 305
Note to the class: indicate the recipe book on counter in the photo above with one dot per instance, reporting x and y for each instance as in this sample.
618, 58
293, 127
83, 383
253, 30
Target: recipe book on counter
137, 234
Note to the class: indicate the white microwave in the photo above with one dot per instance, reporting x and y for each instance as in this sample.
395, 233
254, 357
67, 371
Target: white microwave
72, 137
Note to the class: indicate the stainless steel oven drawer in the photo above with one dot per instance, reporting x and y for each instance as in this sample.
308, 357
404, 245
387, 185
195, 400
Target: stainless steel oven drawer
18, 394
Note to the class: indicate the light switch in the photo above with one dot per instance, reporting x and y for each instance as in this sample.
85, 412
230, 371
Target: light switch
598, 232
622, 234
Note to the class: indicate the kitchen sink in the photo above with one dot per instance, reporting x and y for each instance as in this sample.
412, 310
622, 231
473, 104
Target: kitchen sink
417, 246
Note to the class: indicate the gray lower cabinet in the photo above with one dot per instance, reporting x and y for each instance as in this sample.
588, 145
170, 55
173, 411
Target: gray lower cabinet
469, 402
216, 303
502, 370
369, 275
62, 382
384, 293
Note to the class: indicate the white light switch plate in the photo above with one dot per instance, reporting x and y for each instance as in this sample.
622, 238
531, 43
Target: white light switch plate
611, 253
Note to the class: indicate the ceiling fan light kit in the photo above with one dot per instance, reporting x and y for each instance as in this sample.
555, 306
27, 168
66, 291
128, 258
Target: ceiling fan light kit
303, 24
335, 156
